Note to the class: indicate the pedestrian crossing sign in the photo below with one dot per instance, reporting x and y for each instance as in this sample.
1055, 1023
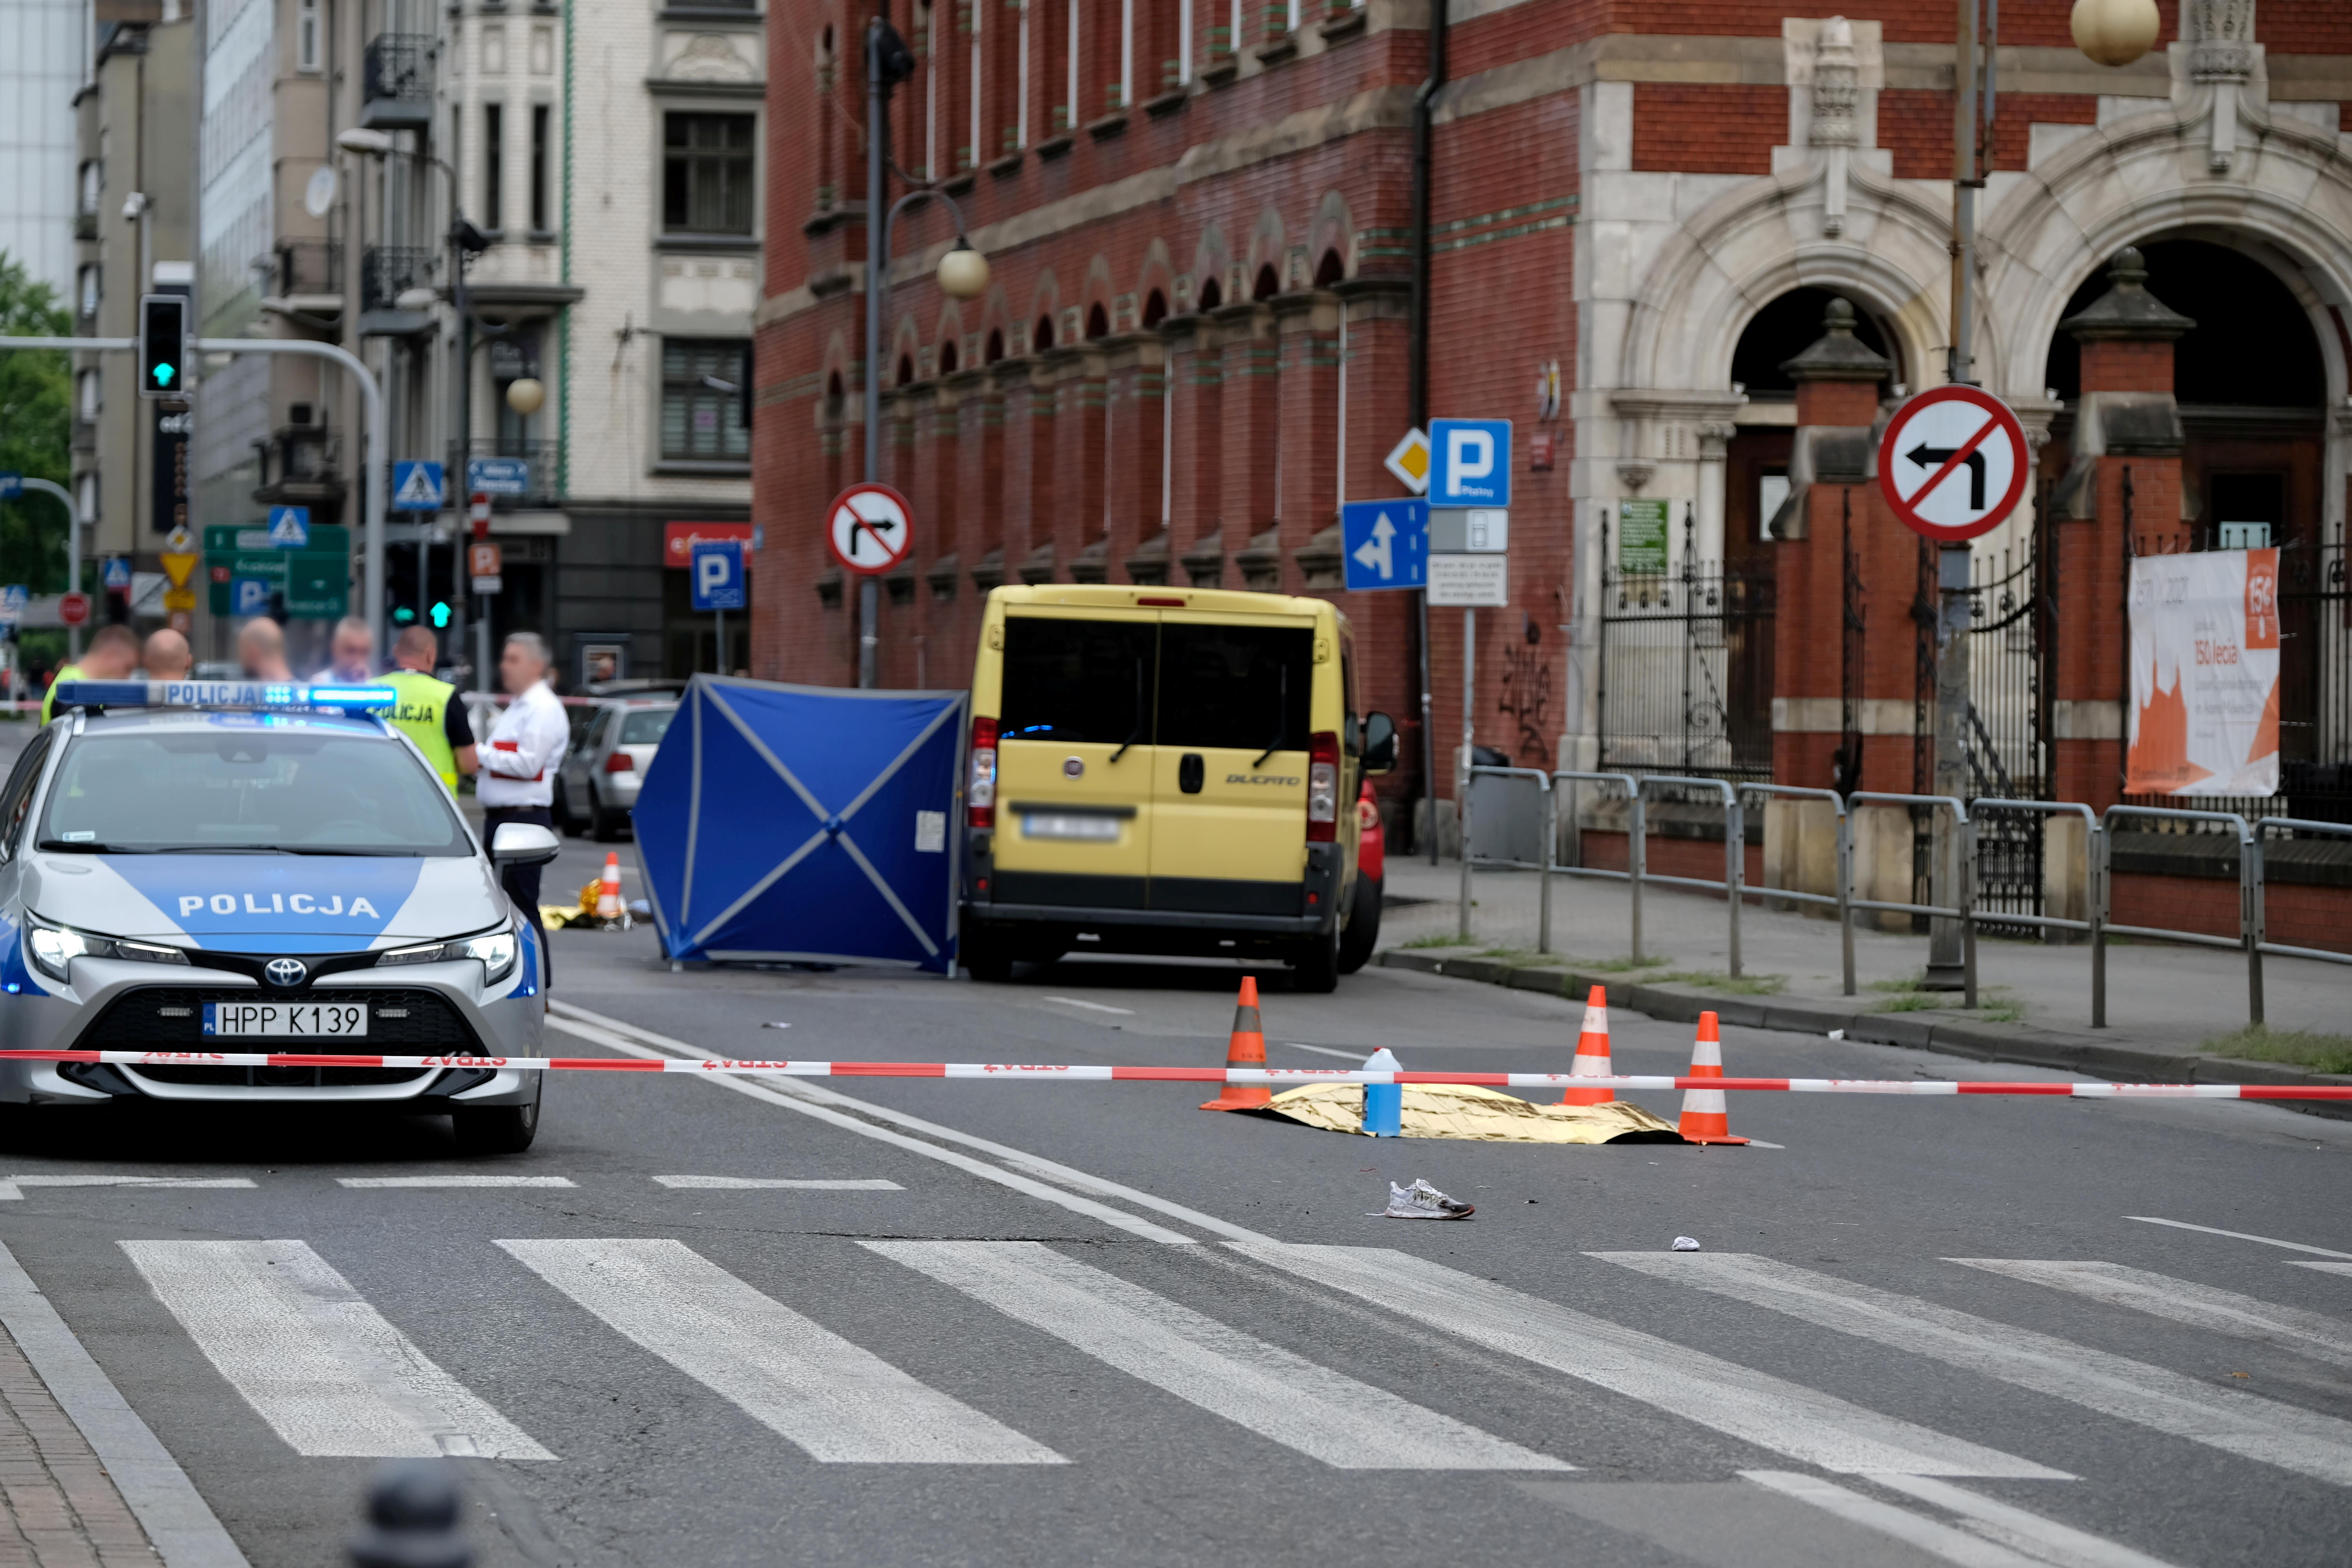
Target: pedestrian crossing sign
417, 487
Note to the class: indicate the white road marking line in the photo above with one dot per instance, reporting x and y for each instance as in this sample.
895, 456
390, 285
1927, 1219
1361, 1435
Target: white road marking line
12, 1188
1280, 1396
2323, 1267
2313, 1334
2044, 1538
796, 1184
2293, 1440
182, 1527
839, 1403
373, 1182
1759, 1144
315, 1360
1093, 1007
813, 1102
1327, 1051
1936, 1539
2237, 1235
1756, 1407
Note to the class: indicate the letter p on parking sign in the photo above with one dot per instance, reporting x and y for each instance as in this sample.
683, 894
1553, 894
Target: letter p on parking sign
1473, 463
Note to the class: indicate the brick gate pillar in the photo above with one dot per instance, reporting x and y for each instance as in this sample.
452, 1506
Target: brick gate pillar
1830, 499
2124, 476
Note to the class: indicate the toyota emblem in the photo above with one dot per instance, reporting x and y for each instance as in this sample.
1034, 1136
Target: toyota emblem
286, 971
1073, 767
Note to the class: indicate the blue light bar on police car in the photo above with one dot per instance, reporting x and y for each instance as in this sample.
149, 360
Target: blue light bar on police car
282, 694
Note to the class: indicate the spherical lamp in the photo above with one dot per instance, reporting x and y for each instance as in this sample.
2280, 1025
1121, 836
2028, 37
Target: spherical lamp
963, 272
526, 396
2115, 32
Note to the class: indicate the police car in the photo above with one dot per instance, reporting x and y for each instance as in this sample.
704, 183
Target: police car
233, 867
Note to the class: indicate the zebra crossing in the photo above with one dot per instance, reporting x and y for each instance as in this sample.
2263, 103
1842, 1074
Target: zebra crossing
331, 1375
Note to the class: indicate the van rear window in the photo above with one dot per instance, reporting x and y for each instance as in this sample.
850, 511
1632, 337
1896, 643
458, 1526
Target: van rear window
1243, 688
1075, 682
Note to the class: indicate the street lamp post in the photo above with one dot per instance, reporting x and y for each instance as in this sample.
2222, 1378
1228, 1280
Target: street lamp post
73, 548
962, 275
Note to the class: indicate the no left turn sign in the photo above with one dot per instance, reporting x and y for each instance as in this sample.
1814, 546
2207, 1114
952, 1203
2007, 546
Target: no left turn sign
869, 528
1952, 463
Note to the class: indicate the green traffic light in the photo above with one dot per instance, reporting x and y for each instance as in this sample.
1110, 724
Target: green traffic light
440, 616
403, 615
163, 374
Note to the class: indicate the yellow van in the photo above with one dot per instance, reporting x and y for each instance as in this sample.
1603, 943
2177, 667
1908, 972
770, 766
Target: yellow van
1166, 770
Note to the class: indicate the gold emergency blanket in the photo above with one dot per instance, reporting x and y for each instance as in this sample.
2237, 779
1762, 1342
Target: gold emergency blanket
1465, 1110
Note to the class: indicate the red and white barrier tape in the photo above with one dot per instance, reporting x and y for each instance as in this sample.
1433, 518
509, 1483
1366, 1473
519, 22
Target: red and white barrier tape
1273, 1077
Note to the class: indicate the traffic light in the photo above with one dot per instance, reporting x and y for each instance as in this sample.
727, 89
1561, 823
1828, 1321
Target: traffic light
440, 616
402, 615
162, 345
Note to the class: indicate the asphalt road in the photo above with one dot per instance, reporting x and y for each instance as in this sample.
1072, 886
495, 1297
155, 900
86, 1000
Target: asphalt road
1076, 1324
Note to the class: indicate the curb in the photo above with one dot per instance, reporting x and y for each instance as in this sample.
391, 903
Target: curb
2089, 1055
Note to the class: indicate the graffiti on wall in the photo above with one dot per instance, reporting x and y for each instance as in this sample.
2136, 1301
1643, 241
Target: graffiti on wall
1525, 697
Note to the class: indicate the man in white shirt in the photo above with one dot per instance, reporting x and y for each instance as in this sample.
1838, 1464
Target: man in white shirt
517, 782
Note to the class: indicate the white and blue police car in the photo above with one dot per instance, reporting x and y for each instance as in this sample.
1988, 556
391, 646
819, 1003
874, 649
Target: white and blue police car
228, 866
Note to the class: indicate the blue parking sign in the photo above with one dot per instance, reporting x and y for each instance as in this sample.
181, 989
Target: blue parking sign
718, 574
249, 596
1385, 543
1470, 462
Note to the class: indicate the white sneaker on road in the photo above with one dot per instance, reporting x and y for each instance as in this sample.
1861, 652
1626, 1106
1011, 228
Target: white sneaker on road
1422, 1201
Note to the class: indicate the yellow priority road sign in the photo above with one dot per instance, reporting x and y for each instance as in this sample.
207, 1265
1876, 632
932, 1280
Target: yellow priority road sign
180, 558
1409, 461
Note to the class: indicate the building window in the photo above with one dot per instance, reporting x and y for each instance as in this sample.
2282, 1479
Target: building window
702, 409
85, 497
89, 290
306, 35
93, 393
93, 178
541, 219
706, 174
494, 148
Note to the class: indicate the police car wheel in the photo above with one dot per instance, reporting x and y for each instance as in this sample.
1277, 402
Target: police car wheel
496, 1129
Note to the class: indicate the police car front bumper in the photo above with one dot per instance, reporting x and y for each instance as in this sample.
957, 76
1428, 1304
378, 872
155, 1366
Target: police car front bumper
436, 1009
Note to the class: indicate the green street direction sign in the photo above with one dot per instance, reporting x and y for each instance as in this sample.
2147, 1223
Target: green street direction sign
247, 539
315, 582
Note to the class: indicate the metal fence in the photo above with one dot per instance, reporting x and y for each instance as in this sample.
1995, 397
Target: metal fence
1685, 663
2252, 938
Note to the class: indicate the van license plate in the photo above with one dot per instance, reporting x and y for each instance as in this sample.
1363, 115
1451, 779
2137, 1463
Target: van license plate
1058, 824
308, 1020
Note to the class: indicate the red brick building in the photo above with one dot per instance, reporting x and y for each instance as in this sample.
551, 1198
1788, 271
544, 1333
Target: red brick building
1200, 330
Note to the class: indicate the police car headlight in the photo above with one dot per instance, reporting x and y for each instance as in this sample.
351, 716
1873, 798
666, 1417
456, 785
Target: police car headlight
496, 948
52, 949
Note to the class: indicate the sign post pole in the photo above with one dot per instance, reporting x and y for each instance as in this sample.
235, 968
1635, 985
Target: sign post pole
1947, 969
1469, 706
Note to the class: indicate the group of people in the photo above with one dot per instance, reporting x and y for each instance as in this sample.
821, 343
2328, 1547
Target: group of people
514, 769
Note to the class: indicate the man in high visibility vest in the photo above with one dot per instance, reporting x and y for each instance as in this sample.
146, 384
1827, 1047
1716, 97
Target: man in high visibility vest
114, 655
429, 712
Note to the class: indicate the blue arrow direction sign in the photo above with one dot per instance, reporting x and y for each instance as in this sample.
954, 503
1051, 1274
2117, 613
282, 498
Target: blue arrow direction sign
1385, 543
417, 487
1470, 462
290, 527
497, 477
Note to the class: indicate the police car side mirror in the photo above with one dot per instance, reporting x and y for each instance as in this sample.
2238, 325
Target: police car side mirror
523, 844
1379, 743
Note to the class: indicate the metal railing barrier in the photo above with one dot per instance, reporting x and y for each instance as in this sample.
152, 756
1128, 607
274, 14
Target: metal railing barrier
2094, 891
1635, 838
1838, 900
2263, 944
2249, 901
1543, 785
1735, 849
1965, 912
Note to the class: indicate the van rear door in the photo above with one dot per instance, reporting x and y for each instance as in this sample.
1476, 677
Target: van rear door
1074, 789
1229, 777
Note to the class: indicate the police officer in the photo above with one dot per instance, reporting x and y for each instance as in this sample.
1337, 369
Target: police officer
430, 713
114, 655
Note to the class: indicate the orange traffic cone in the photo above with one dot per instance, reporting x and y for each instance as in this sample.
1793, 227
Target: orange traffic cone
1592, 1053
608, 897
1247, 1049
1703, 1119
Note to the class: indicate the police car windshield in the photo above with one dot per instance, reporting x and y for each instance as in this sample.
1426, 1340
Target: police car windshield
259, 790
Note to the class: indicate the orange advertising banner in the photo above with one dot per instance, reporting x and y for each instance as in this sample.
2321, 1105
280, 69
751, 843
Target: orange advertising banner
2204, 674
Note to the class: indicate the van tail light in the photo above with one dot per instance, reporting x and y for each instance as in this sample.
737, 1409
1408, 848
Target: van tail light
1323, 788
620, 763
980, 795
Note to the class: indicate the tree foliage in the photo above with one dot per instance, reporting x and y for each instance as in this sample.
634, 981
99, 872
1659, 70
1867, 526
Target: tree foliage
36, 426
